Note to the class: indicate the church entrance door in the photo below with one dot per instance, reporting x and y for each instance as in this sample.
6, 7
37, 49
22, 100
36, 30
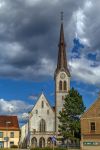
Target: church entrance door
34, 142
42, 142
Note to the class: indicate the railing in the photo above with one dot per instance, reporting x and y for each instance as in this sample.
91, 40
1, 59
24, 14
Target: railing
70, 146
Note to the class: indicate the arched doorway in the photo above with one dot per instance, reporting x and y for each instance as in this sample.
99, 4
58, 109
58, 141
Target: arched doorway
42, 142
49, 142
34, 142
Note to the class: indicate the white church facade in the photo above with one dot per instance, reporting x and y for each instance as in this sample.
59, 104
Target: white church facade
43, 119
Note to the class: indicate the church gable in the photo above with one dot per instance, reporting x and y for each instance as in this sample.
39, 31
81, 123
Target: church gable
42, 106
42, 113
93, 111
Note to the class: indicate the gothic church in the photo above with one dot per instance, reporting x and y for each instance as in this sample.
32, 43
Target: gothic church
43, 120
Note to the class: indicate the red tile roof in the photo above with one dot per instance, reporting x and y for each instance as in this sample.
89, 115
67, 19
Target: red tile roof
9, 123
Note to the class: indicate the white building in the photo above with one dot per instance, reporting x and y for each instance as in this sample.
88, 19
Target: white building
43, 119
24, 136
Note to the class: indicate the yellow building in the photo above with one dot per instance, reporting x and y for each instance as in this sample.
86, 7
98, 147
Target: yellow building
90, 127
9, 131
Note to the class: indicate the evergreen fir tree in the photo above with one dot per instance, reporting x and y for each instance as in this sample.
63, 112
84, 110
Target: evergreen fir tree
70, 116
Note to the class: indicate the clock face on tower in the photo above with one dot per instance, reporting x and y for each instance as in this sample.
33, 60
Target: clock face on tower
62, 75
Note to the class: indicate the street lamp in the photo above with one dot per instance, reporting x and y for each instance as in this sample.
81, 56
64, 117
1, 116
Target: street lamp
7, 123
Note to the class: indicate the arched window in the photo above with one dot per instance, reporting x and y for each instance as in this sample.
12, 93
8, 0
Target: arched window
42, 125
42, 104
60, 85
65, 85
36, 111
48, 111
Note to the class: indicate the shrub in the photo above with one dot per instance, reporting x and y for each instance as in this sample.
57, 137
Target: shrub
14, 146
5, 149
48, 148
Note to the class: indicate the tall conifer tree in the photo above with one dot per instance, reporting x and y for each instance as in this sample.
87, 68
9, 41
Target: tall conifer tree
70, 116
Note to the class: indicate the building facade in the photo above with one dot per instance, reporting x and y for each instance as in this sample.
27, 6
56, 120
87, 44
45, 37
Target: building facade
41, 123
43, 118
9, 131
90, 127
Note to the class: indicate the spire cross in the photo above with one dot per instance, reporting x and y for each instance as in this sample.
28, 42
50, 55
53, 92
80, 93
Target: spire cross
62, 15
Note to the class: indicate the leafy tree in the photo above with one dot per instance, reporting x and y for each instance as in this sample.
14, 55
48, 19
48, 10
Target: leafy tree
70, 116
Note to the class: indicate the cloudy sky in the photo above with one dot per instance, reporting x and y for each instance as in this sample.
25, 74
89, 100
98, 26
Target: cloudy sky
29, 35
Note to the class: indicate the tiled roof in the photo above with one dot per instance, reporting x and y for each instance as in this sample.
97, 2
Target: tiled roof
9, 122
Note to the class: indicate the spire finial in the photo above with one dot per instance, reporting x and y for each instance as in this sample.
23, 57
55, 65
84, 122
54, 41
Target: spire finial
62, 16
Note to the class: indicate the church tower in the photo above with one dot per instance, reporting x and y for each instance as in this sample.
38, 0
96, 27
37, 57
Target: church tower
62, 77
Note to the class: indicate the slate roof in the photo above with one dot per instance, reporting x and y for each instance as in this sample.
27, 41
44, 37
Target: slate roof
62, 60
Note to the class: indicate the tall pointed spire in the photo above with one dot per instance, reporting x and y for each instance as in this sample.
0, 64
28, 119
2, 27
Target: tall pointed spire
62, 60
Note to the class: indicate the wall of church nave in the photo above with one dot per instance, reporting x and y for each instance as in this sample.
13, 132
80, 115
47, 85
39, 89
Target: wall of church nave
36, 123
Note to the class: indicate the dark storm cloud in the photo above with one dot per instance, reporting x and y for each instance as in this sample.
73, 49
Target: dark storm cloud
29, 34
93, 25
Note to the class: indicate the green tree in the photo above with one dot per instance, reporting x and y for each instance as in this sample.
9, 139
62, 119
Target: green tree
70, 116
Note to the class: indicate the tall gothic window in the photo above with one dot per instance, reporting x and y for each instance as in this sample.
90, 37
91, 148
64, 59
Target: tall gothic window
60, 85
65, 85
42, 104
42, 125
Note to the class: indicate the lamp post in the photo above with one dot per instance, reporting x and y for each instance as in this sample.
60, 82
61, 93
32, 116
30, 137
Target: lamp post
7, 123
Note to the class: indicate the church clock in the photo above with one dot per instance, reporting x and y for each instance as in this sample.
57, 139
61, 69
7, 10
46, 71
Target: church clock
62, 75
